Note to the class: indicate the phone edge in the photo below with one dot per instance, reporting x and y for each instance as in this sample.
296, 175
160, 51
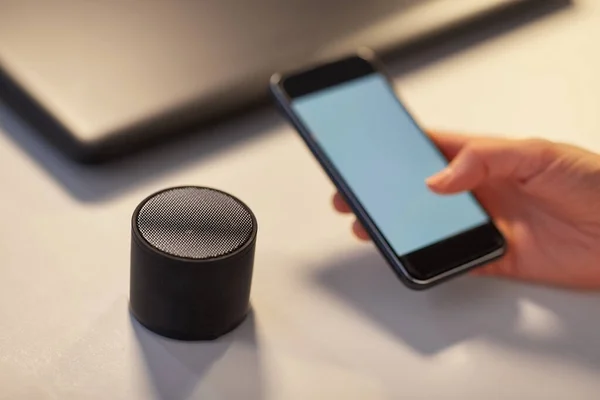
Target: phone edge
282, 101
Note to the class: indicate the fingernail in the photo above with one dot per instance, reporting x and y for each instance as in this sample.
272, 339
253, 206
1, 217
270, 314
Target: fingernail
440, 178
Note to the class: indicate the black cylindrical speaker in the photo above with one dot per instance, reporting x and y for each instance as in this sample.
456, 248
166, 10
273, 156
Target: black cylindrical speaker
192, 256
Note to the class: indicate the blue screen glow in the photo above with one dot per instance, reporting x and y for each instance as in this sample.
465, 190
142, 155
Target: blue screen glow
385, 158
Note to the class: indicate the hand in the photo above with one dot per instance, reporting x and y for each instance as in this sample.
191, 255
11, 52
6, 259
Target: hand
544, 197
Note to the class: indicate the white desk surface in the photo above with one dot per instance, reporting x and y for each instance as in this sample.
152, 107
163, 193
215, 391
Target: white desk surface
330, 319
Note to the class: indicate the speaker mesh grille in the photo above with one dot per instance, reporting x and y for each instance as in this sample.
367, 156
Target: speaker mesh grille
195, 223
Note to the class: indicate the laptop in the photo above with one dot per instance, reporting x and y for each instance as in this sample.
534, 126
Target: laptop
100, 79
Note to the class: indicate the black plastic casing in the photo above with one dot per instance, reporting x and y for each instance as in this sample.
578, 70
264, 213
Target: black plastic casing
189, 299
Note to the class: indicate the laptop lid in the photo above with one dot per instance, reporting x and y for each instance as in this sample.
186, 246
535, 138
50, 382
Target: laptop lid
102, 78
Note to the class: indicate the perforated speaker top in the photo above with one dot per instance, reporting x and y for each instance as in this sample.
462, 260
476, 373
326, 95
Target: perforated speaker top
195, 223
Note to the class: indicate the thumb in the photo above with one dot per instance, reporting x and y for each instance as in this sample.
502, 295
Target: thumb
482, 160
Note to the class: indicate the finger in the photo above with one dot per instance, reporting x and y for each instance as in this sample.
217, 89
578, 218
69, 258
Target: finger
476, 162
489, 270
498, 271
340, 204
502, 268
450, 144
359, 231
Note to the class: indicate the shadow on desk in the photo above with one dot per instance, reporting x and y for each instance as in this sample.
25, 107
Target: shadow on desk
565, 325
229, 366
93, 184
96, 183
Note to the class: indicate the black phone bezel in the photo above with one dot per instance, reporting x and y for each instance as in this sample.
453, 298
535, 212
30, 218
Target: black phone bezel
448, 258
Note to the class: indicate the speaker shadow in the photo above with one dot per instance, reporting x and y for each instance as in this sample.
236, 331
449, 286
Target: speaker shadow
229, 367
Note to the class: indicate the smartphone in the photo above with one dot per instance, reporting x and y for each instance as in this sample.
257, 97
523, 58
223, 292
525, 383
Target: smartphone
378, 157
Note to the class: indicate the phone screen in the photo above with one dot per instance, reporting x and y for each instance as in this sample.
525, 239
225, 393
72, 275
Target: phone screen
384, 158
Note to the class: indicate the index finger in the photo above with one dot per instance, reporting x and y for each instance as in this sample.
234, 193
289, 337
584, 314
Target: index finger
449, 144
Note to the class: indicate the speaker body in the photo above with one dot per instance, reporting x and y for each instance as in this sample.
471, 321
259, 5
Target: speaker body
192, 258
